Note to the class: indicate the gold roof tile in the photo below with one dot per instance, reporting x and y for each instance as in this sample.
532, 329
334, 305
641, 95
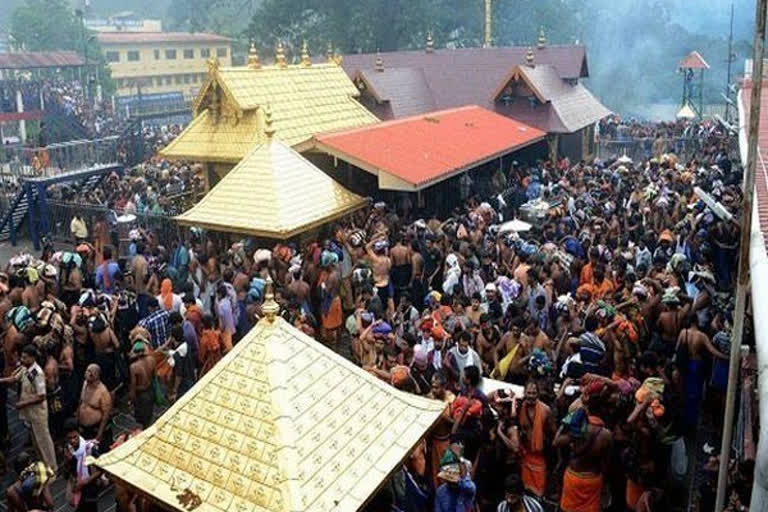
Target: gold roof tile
260, 196
304, 101
325, 436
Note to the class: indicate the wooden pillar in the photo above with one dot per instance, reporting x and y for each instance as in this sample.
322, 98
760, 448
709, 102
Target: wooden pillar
553, 141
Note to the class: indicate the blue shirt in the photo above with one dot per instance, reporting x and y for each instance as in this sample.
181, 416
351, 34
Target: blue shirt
159, 326
448, 500
112, 270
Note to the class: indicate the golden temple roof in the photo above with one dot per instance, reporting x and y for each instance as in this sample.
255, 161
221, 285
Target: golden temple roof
273, 192
305, 100
281, 424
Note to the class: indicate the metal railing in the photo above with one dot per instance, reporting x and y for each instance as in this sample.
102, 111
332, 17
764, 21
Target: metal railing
61, 214
647, 147
59, 158
155, 108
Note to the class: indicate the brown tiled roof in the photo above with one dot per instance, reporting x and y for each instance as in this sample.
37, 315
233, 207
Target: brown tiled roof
159, 37
414, 82
405, 89
33, 60
572, 106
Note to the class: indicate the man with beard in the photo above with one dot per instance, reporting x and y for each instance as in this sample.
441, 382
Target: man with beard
460, 357
537, 429
93, 414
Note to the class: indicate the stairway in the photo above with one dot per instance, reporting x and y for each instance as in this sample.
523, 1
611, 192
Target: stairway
16, 213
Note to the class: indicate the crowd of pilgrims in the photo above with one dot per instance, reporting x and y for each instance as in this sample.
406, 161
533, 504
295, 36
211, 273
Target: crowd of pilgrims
612, 314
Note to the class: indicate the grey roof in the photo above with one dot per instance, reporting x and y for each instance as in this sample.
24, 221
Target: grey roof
405, 89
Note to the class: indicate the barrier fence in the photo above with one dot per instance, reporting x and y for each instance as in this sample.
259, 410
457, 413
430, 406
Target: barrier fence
639, 149
60, 158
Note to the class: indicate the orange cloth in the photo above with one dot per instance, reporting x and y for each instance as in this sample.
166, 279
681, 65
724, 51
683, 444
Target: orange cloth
210, 350
587, 275
605, 288
437, 448
166, 293
633, 493
582, 492
333, 318
533, 463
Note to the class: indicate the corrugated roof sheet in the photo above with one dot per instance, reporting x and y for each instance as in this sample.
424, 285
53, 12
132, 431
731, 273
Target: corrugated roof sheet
32, 60
281, 424
761, 172
572, 106
159, 37
694, 60
274, 193
427, 148
303, 100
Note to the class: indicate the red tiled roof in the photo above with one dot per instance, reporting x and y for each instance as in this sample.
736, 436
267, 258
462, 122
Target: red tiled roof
761, 172
424, 149
159, 37
34, 60
693, 60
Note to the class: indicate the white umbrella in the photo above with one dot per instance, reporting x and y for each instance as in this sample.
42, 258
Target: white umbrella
518, 226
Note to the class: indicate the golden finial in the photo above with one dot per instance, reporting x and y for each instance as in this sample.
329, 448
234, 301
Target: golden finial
280, 55
338, 58
379, 62
269, 128
430, 42
305, 61
529, 57
213, 64
253, 57
270, 307
488, 42
542, 42
329, 52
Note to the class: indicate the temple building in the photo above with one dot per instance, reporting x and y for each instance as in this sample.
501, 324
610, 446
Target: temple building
538, 86
304, 99
281, 424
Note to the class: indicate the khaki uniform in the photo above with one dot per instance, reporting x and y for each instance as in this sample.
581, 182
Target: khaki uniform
33, 383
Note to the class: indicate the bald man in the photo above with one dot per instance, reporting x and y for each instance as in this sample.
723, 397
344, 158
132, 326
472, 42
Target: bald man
95, 408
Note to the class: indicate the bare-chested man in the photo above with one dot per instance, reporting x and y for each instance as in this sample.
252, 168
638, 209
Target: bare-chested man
140, 269
671, 320
142, 371
93, 413
693, 343
299, 287
30, 297
401, 266
381, 264
590, 446
105, 346
537, 428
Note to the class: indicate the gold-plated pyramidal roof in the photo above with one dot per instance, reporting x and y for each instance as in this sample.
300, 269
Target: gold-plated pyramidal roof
280, 424
305, 100
273, 192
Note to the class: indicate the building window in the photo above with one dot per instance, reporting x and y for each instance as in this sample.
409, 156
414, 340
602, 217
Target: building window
157, 54
159, 81
120, 83
205, 52
194, 78
189, 53
133, 56
202, 77
168, 80
186, 79
178, 79
221, 52
113, 56
170, 54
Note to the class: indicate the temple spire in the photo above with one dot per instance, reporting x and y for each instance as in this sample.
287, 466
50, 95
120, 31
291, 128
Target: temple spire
269, 129
270, 307
305, 60
430, 42
542, 42
253, 57
379, 62
280, 55
530, 59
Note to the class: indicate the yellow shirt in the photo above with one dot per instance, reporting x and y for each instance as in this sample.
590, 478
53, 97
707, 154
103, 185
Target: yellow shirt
78, 228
